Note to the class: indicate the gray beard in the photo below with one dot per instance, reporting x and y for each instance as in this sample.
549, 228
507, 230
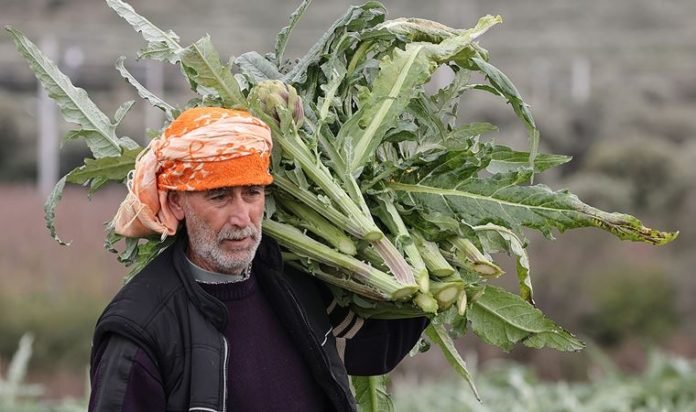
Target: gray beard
205, 244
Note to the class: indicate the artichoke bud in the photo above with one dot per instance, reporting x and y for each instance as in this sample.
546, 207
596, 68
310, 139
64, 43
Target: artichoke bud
274, 94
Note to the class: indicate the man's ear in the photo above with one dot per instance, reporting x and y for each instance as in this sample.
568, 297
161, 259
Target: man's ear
176, 200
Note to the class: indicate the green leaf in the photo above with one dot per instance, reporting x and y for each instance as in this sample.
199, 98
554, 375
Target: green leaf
129, 144
108, 168
439, 336
463, 137
371, 393
504, 159
257, 67
73, 102
496, 238
503, 319
504, 86
415, 30
282, 37
401, 76
356, 18
501, 200
50, 210
202, 66
169, 110
146, 252
122, 111
91, 138
161, 45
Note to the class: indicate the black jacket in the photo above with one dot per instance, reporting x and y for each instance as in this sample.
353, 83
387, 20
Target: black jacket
167, 314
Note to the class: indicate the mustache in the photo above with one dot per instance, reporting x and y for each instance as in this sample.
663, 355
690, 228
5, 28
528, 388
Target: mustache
237, 234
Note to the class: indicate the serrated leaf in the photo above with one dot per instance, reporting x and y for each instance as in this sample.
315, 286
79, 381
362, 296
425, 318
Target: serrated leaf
503, 319
169, 110
504, 159
50, 210
162, 45
94, 141
257, 67
284, 34
202, 66
401, 76
109, 168
439, 336
371, 393
502, 200
357, 17
73, 102
504, 86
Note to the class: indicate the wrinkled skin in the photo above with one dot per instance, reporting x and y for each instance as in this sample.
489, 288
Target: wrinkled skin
223, 225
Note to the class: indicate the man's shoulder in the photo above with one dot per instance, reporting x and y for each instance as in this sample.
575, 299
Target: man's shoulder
145, 294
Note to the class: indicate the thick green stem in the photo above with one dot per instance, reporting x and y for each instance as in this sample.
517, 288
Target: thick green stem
430, 252
342, 279
462, 302
296, 241
446, 293
390, 216
426, 302
312, 221
328, 211
396, 263
478, 262
297, 150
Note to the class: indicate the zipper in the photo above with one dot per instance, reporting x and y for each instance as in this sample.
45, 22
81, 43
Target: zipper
224, 375
314, 341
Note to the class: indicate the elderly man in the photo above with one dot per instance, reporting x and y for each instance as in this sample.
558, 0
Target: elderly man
215, 322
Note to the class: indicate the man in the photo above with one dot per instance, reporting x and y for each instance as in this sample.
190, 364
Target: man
216, 323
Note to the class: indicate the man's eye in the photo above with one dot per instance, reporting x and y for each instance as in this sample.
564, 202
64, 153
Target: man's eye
217, 196
255, 191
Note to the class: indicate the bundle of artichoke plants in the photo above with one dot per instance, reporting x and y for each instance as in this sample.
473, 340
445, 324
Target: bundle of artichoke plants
379, 190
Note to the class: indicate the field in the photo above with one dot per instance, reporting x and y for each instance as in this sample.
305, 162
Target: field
611, 84
57, 292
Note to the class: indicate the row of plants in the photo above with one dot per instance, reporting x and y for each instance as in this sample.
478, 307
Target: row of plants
667, 383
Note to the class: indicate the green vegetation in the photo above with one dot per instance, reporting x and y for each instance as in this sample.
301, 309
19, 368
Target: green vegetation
18, 396
380, 158
666, 384
61, 326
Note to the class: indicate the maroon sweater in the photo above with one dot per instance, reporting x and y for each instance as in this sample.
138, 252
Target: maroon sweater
265, 373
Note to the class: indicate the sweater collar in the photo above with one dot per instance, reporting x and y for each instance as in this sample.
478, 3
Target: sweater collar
205, 276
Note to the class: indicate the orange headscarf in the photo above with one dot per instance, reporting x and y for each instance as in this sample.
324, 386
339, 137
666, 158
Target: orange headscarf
204, 148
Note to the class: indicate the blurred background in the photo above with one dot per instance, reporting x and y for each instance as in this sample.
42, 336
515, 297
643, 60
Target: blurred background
612, 84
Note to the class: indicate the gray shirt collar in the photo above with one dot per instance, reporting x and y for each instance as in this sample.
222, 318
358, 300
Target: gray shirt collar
205, 276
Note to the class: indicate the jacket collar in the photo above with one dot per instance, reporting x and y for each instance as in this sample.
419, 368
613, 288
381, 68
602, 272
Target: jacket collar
267, 258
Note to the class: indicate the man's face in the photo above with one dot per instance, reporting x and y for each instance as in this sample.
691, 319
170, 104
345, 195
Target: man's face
224, 226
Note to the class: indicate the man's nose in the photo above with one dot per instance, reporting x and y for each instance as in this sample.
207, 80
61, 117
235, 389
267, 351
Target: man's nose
238, 213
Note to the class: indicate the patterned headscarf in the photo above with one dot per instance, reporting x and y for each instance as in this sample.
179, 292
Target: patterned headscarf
204, 148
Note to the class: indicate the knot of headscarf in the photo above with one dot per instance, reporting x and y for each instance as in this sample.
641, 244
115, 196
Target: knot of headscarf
204, 148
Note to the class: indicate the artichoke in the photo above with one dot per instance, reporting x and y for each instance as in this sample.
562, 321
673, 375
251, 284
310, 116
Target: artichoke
272, 94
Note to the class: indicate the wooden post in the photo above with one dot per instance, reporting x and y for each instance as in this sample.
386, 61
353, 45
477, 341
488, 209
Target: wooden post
47, 157
580, 79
